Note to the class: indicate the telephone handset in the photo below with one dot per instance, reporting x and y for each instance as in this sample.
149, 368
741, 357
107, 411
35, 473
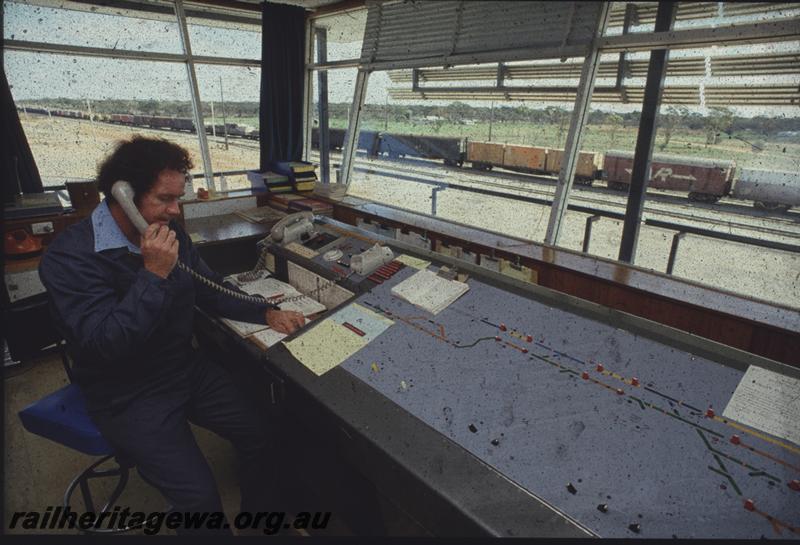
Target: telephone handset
123, 194
293, 227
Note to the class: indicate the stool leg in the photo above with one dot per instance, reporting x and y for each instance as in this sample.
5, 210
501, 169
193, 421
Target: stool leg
82, 480
123, 481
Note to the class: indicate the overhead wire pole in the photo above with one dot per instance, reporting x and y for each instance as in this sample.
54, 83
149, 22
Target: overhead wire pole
640, 174
569, 161
197, 111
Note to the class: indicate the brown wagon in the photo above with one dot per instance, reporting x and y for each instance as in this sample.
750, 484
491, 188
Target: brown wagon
703, 179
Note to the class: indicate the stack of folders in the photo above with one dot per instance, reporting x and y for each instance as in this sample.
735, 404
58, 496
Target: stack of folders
281, 202
302, 175
275, 182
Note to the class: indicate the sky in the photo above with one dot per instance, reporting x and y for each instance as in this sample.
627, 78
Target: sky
41, 75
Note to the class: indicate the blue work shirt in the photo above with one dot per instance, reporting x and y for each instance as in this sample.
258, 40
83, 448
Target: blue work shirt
128, 329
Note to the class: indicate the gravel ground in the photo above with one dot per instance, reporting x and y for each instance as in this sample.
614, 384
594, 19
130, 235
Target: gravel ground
67, 149
761, 273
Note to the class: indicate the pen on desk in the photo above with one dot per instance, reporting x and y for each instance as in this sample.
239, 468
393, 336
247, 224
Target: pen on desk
276, 296
354, 329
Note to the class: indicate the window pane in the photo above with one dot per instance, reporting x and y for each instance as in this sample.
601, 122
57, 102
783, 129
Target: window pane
642, 15
58, 92
88, 29
414, 143
345, 33
230, 98
219, 39
341, 85
732, 157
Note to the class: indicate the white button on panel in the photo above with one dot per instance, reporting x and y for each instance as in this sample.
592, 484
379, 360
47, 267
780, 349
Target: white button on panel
42, 228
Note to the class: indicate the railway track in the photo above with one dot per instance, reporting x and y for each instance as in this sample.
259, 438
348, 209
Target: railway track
732, 206
581, 196
618, 204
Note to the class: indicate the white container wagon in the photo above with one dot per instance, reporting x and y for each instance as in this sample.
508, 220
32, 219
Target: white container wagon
768, 189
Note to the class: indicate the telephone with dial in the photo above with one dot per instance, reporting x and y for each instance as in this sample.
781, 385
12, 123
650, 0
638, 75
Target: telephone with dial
293, 227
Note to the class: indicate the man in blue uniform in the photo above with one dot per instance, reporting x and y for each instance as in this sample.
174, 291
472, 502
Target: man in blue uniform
127, 311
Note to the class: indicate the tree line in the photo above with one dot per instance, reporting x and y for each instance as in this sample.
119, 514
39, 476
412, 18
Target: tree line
717, 122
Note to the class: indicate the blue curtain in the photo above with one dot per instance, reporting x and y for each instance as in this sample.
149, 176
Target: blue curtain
282, 72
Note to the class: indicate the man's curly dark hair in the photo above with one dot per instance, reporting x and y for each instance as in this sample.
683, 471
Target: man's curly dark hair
139, 161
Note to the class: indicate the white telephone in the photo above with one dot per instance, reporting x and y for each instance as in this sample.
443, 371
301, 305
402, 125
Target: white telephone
123, 194
293, 227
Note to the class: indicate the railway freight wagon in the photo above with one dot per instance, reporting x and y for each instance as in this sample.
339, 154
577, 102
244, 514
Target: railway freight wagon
182, 124
587, 169
532, 159
485, 155
524, 158
770, 190
368, 141
450, 150
335, 139
122, 119
705, 180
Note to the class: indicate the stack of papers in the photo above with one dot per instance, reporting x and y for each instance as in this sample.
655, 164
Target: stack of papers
260, 214
430, 292
331, 191
268, 288
244, 328
272, 288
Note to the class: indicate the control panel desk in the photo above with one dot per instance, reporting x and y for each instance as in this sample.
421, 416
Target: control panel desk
519, 411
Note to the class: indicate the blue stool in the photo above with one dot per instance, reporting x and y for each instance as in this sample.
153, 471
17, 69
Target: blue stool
62, 417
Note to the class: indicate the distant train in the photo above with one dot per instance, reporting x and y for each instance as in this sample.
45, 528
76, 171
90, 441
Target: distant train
703, 180
155, 122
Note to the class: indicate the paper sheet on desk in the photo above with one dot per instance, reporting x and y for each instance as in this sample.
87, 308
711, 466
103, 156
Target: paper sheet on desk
428, 291
412, 261
305, 305
331, 342
268, 337
767, 401
243, 328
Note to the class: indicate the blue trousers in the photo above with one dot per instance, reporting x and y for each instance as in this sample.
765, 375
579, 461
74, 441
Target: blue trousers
153, 432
